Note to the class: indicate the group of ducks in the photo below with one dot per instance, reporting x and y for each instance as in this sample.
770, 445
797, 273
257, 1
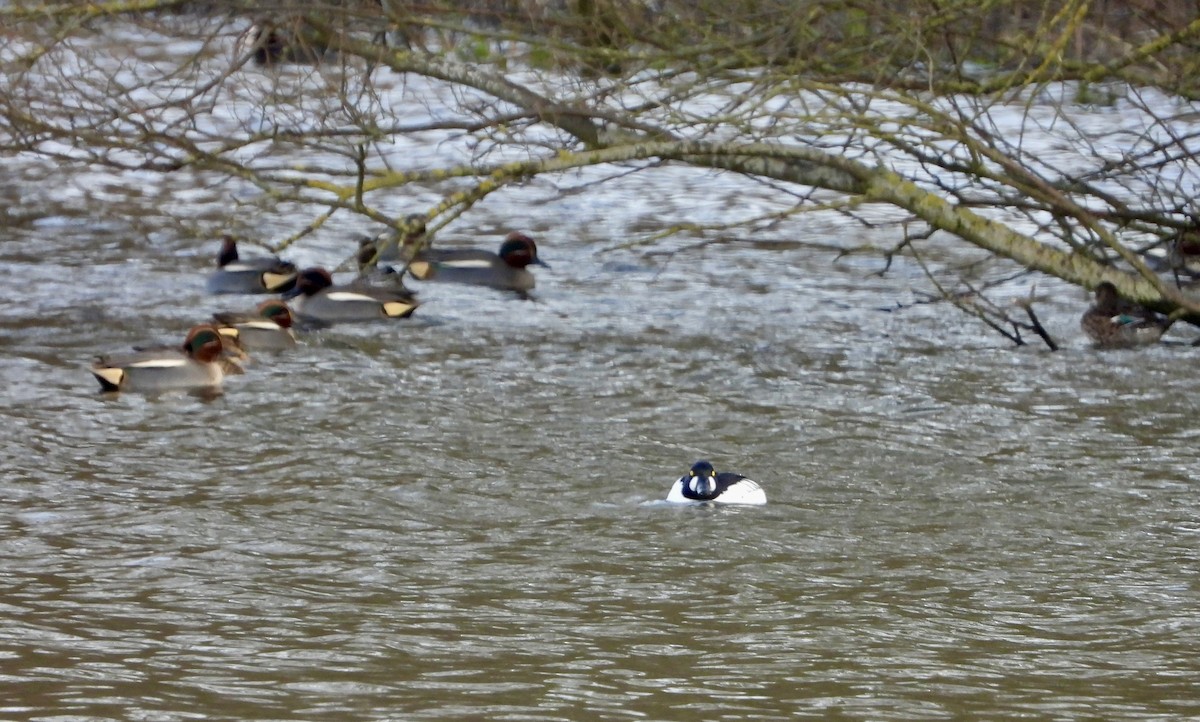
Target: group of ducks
309, 298
211, 351
214, 350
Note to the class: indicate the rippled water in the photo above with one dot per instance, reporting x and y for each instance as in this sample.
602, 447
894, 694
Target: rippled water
459, 517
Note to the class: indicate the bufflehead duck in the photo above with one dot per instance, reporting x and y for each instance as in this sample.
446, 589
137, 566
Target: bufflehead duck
703, 483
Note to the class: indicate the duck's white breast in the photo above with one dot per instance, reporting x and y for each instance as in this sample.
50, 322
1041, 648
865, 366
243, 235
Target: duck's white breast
676, 494
743, 491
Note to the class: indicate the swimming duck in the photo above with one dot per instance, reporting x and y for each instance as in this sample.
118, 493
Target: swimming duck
231, 359
319, 302
703, 483
195, 364
372, 251
1113, 322
505, 270
263, 274
269, 330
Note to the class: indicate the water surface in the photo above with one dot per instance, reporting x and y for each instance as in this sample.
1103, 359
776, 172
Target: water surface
459, 517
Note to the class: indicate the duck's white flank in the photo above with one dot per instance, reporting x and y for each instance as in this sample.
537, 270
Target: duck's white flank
161, 363
349, 296
264, 325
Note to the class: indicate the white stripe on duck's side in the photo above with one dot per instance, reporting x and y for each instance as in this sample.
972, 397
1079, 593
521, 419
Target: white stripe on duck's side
319, 302
264, 325
468, 263
702, 483
160, 363
349, 296
389, 308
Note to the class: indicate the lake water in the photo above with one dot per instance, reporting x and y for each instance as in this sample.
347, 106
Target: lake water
460, 517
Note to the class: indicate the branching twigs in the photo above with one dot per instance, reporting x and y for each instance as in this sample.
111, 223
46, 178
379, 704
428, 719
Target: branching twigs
1035, 324
692, 93
976, 304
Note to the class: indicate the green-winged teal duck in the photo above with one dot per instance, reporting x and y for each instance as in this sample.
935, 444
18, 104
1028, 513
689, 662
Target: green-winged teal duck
232, 359
317, 301
198, 363
270, 329
1113, 322
703, 483
505, 270
259, 274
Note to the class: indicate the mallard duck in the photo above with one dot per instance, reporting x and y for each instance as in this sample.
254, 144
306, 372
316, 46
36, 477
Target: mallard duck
1113, 322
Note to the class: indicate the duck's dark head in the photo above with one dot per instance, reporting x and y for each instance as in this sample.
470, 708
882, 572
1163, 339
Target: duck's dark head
701, 479
1107, 297
204, 344
310, 281
276, 311
519, 251
228, 253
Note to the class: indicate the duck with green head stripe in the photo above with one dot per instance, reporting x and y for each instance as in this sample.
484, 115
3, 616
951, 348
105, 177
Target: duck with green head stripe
196, 364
